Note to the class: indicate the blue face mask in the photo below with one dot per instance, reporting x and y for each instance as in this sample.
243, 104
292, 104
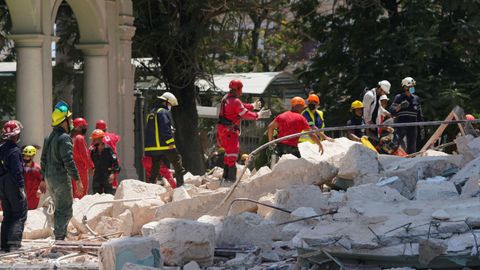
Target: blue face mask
411, 90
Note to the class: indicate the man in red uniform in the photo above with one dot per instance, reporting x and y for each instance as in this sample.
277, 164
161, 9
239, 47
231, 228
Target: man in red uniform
34, 183
232, 111
288, 123
111, 139
81, 156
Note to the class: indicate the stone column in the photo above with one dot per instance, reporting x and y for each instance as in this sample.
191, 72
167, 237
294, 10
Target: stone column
30, 92
95, 88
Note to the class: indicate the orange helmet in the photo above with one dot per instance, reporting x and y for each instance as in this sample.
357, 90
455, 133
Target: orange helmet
297, 101
469, 117
97, 134
313, 99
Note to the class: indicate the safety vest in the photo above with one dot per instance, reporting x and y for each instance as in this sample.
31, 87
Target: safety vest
311, 122
153, 141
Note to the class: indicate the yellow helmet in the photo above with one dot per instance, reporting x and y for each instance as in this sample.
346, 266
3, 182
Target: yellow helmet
244, 157
29, 151
60, 113
357, 104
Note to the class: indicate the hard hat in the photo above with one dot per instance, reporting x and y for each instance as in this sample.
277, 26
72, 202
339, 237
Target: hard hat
102, 125
244, 157
221, 150
11, 128
313, 99
97, 134
79, 122
469, 117
384, 97
60, 113
170, 98
237, 86
385, 85
408, 82
29, 151
357, 104
297, 101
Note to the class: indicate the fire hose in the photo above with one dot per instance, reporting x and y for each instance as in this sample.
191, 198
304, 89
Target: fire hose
342, 128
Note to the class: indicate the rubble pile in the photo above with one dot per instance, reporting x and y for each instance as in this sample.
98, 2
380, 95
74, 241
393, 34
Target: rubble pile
393, 206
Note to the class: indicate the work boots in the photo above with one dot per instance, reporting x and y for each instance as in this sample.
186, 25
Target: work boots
231, 174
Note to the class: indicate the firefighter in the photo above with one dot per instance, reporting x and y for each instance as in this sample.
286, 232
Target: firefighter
232, 111
58, 168
81, 156
34, 183
314, 117
164, 172
12, 186
159, 139
105, 163
356, 110
112, 140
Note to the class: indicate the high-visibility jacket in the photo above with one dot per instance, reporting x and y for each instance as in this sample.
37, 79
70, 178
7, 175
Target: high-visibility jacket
315, 120
159, 131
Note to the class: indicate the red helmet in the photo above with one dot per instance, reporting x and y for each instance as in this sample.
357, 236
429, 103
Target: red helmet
236, 85
101, 125
469, 117
79, 122
11, 128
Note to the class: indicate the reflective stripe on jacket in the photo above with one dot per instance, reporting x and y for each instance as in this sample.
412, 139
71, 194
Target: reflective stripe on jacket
158, 131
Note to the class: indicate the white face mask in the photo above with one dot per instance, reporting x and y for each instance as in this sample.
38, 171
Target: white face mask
169, 107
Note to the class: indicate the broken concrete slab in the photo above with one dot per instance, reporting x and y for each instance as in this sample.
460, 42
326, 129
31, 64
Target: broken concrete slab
127, 222
436, 188
357, 162
132, 266
248, 229
182, 240
144, 251
193, 265
179, 194
95, 213
372, 192
37, 225
468, 146
217, 222
471, 188
471, 169
191, 179
108, 225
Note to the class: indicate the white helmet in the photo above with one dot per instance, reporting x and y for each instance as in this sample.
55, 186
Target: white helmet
385, 85
170, 98
408, 82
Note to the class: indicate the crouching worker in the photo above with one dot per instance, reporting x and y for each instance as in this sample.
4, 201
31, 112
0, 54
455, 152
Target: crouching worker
34, 183
105, 163
12, 191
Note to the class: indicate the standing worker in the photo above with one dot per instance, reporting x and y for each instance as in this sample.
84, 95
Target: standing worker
159, 138
81, 156
356, 110
288, 123
12, 186
34, 183
371, 102
232, 111
105, 163
314, 117
111, 139
406, 108
58, 168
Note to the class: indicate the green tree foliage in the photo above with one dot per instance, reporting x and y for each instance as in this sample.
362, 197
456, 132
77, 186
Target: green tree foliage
361, 42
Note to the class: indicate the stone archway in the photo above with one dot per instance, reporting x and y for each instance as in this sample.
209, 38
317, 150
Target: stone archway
106, 29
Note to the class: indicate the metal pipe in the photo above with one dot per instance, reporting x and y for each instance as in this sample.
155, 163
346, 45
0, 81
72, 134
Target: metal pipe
307, 218
257, 202
56, 263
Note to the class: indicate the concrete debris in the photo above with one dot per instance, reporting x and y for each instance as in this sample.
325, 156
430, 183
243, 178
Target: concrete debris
38, 225
191, 179
471, 169
95, 213
182, 241
434, 189
132, 266
180, 194
468, 146
357, 162
430, 249
193, 265
471, 188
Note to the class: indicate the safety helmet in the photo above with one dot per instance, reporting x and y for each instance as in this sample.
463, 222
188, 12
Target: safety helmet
221, 150
170, 98
79, 122
11, 128
244, 157
313, 99
237, 86
29, 151
384, 97
60, 113
297, 101
408, 82
357, 104
469, 117
385, 85
97, 134
102, 125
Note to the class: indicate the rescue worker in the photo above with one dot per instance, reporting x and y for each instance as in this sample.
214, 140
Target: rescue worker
112, 140
314, 117
159, 138
58, 168
81, 156
105, 164
288, 123
383, 113
470, 117
164, 172
232, 111
406, 108
34, 183
12, 184
356, 119
371, 102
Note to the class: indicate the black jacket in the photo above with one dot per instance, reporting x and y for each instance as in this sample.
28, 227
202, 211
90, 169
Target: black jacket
159, 130
105, 162
11, 162
413, 113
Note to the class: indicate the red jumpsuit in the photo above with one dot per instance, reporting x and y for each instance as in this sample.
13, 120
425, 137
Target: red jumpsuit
232, 110
81, 157
164, 171
33, 178
111, 139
